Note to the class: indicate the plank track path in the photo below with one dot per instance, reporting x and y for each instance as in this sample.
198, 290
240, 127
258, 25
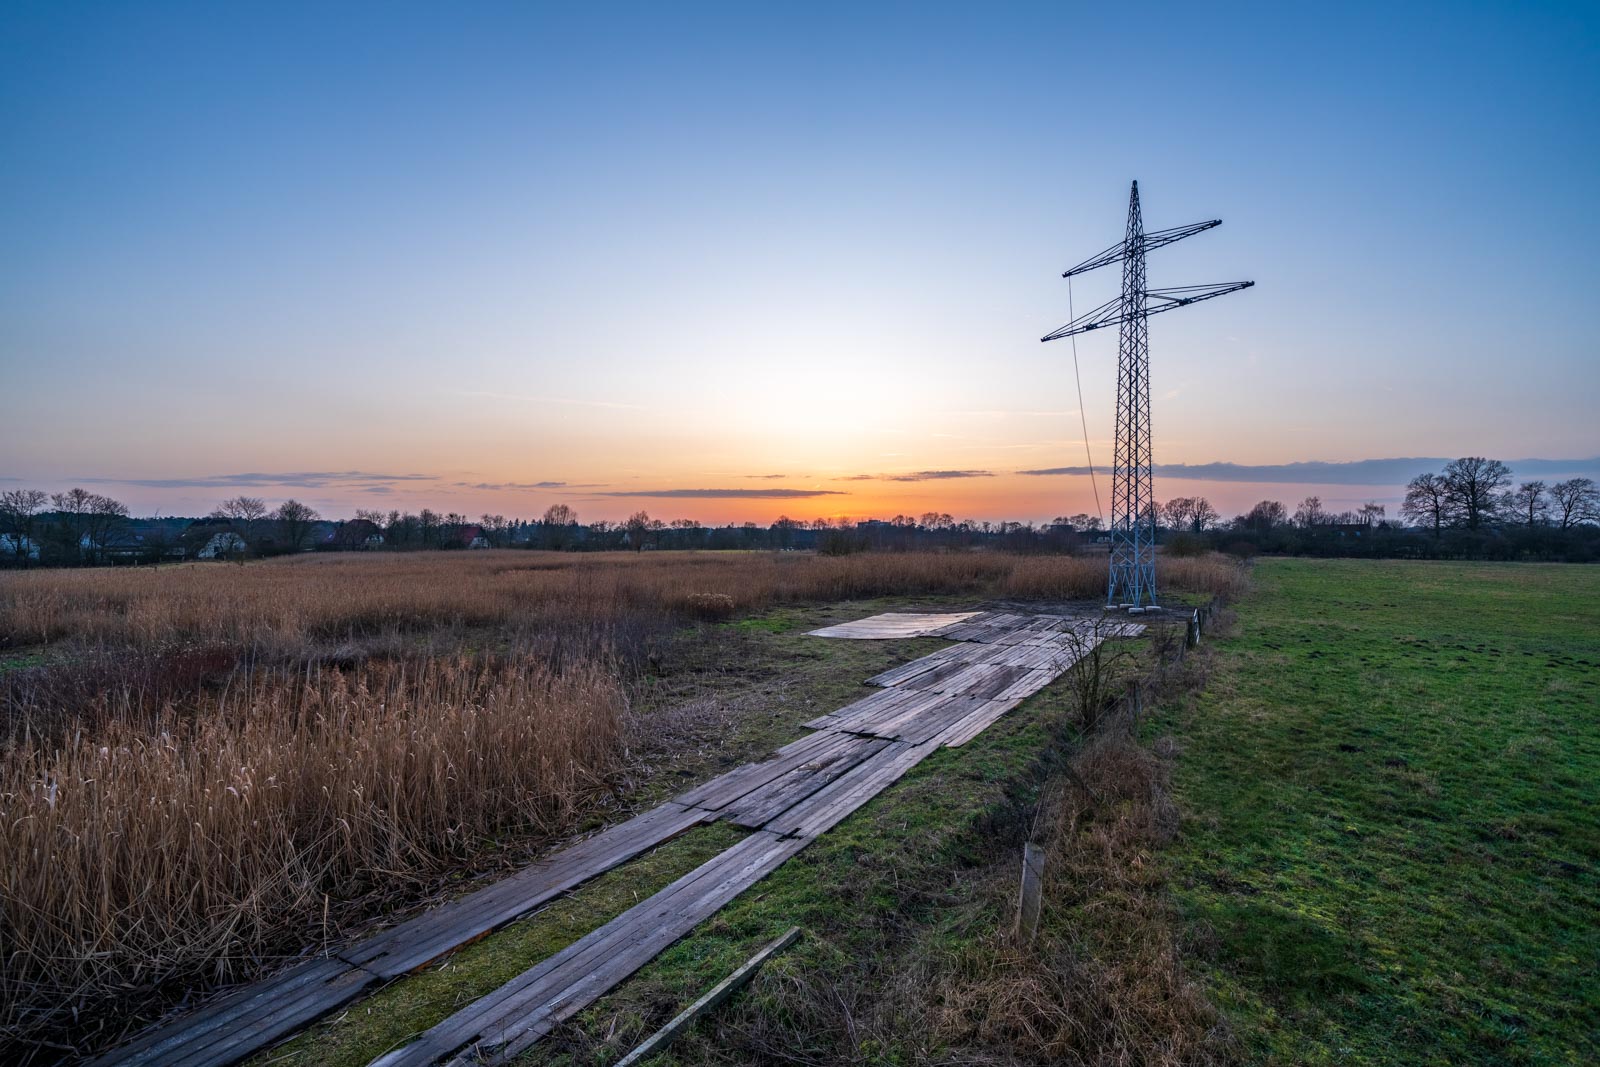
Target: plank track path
787, 800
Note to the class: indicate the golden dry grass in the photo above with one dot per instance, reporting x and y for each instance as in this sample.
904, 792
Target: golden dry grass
268, 604
188, 847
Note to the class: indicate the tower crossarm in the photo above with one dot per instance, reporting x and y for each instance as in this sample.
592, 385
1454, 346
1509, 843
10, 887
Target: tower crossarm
1115, 311
1156, 239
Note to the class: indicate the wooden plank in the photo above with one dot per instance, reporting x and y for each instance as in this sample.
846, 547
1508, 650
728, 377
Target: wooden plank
861, 715
277, 1018
239, 1023
896, 675
1030, 892
726, 788
964, 730
249, 1007
719, 993
828, 807
976, 619
757, 807
892, 625
503, 1024
937, 720
890, 725
415, 943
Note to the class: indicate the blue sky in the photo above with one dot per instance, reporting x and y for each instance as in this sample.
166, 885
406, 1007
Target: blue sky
638, 249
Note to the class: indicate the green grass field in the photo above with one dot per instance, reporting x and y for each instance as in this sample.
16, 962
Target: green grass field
1391, 789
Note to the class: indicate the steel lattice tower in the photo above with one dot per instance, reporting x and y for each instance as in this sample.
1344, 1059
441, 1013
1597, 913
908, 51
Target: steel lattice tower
1132, 579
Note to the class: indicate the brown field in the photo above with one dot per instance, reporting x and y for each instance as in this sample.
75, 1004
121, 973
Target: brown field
201, 766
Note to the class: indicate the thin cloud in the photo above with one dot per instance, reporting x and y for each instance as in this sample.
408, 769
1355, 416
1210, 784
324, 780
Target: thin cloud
520, 486
728, 494
257, 479
1355, 472
916, 476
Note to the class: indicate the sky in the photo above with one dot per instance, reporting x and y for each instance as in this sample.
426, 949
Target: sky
727, 262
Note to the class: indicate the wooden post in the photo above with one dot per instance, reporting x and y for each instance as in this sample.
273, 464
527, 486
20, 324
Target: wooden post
1028, 899
1194, 629
719, 993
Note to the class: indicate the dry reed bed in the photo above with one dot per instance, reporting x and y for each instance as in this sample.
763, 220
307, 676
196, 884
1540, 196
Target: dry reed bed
188, 851
281, 602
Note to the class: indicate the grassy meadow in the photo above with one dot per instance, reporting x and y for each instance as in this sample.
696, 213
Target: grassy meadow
1390, 849
206, 768
1355, 826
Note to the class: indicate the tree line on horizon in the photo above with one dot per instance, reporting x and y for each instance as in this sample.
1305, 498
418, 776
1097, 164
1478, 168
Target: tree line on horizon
1470, 509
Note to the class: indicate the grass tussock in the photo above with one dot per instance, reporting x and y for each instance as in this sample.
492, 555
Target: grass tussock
189, 848
1103, 983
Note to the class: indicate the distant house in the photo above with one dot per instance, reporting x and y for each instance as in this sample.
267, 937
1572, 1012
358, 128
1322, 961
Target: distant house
226, 543
471, 537
18, 546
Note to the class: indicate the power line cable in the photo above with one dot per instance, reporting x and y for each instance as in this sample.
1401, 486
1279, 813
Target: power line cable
1083, 418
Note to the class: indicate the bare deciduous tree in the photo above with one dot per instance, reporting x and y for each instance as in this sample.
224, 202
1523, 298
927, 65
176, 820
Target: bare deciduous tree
1530, 503
1576, 500
638, 526
1427, 502
244, 513
1310, 513
1473, 487
1264, 516
294, 521
19, 520
559, 527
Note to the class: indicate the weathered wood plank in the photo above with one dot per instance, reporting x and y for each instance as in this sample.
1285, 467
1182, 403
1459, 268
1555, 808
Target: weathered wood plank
1030, 892
964, 730
237, 1024
419, 941
892, 625
726, 788
505, 1023
249, 1007
757, 807
826, 808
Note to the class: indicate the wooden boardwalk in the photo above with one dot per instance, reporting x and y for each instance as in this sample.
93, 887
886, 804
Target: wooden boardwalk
786, 801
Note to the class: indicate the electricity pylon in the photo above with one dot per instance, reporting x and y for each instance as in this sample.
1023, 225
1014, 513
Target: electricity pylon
1132, 579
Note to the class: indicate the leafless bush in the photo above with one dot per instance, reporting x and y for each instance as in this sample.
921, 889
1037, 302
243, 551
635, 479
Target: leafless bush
1098, 674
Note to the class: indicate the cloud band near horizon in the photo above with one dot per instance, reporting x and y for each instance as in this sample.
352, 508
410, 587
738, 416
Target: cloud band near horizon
728, 494
1355, 472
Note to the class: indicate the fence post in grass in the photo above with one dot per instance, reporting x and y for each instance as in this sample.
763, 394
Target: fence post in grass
1193, 637
1028, 899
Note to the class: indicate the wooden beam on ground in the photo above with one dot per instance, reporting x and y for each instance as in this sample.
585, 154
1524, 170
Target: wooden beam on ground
719, 993
1029, 897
